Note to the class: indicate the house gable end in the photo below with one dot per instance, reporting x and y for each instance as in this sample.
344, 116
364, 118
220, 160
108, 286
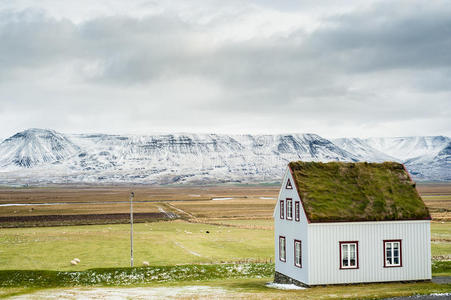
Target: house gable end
294, 228
290, 194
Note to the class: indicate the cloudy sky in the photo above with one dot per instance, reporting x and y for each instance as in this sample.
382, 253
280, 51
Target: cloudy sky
335, 68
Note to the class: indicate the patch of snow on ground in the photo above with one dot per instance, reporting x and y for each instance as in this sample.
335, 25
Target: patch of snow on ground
267, 198
169, 215
281, 286
128, 293
220, 199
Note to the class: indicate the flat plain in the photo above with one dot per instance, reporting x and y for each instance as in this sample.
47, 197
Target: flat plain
202, 202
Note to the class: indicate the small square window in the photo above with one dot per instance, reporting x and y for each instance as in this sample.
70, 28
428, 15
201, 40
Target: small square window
392, 253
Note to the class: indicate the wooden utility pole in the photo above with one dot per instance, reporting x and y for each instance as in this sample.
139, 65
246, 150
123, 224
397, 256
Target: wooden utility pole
131, 228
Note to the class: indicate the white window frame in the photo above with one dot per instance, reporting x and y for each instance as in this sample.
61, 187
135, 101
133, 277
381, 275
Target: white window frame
345, 252
282, 248
391, 255
289, 205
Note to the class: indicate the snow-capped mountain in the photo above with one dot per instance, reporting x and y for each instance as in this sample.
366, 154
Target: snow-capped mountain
404, 148
45, 156
432, 166
34, 147
363, 150
420, 154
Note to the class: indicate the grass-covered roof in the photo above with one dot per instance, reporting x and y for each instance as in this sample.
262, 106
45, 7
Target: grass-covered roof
340, 192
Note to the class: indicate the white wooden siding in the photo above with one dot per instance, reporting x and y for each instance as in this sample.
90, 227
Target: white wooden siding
291, 230
324, 260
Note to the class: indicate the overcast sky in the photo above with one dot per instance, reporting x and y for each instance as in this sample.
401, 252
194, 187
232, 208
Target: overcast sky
335, 68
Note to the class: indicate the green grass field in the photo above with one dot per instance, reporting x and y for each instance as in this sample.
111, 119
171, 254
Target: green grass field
106, 246
441, 249
441, 239
441, 230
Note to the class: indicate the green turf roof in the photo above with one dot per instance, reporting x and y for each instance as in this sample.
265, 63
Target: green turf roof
340, 192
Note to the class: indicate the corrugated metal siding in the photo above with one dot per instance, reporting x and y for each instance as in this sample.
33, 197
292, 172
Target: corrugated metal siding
323, 247
291, 230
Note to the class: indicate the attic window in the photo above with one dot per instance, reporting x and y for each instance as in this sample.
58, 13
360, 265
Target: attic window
289, 186
349, 255
289, 209
282, 249
297, 214
392, 253
282, 209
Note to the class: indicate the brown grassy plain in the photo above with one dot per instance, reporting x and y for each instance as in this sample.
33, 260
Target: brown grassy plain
121, 193
192, 202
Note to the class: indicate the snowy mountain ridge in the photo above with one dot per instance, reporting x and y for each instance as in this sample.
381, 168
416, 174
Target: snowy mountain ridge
40, 156
33, 147
406, 148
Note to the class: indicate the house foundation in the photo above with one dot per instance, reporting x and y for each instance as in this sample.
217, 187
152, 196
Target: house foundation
284, 279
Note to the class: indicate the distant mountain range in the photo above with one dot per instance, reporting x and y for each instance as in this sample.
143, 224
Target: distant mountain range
41, 156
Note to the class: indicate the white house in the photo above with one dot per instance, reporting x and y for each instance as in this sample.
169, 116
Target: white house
338, 223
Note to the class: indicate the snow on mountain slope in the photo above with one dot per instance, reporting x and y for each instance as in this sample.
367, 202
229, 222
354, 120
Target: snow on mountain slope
404, 148
201, 158
34, 147
432, 166
181, 158
362, 150
45, 156
298, 146
420, 154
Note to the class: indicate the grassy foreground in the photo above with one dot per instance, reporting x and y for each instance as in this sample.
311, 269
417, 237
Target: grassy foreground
244, 281
148, 275
255, 288
240, 281
132, 276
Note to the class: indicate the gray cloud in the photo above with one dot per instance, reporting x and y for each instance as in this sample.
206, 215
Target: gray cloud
389, 62
390, 37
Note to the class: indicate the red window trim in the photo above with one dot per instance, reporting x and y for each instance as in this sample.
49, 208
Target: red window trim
294, 248
289, 186
291, 207
282, 209
285, 246
297, 211
357, 255
400, 254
